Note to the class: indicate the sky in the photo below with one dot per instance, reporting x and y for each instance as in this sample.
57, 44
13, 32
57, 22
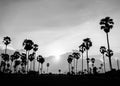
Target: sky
59, 26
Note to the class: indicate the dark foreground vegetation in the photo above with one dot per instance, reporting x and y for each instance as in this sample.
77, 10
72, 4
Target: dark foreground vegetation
112, 77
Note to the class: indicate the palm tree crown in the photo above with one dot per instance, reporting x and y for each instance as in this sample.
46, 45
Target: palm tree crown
106, 24
102, 49
87, 43
28, 44
6, 40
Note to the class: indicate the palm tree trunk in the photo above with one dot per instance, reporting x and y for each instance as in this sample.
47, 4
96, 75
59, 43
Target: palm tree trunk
34, 63
104, 63
109, 52
11, 66
69, 67
6, 49
31, 65
28, 62
82, 62
118, 64
39, 68
87, 61
76, 65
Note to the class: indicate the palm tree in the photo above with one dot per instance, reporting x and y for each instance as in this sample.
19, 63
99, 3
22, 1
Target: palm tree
103, 50
87, 42
41, 60
101, 66
16, 55
93, 61
70, 58
5, 58
59, 71
76, 55
106, 25
23, 62
35, 48
28, 45
31, 58
48, 64
82, 49
6, 41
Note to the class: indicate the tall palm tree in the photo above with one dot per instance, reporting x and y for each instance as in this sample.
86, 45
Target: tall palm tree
6, 41
35, 49
87, 42
41, 60
76, 55
102, 51
70, 58
48, 64
106, 25
28, 45
82, 49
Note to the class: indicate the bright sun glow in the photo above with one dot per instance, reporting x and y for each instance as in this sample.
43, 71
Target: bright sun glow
56, 49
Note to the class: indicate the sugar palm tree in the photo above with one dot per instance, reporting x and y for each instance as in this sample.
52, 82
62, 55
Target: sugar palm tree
5, 58
76, 55
28, 45
6, 41
102, 51
31, 58
41, 60
106, 25
70, 58
48, 64
35, 49
23, 62
93, 61
87, 42
82, 49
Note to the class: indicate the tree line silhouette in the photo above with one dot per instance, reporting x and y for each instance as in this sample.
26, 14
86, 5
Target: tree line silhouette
25, 62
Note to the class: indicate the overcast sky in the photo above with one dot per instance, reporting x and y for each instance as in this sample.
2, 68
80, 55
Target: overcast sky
59, 26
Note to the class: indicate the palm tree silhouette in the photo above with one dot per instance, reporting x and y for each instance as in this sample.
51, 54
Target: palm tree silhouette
106, 25
16, 56
48, 64
5, 58
35, 48
103, 50
70, 58
28, 45
93, 61
101, 66
87, 42
41, 60
82, 49
31, 58
76, 56
6, 41
59, 71
23, 62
